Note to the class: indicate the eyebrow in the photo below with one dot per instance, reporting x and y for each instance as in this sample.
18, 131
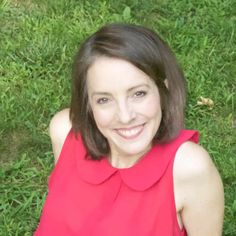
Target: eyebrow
130, 89
137, 86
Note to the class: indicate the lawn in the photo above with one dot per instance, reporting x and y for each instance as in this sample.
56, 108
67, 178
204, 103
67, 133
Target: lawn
38, 39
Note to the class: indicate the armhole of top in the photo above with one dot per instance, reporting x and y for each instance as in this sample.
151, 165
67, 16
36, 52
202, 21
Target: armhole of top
61, 158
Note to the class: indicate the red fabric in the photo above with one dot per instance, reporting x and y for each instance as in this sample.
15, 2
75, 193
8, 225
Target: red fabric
92, 198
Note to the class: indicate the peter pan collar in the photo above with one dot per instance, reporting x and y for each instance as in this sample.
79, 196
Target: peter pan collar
141, 176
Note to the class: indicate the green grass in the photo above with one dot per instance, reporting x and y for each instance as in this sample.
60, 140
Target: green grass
38, 39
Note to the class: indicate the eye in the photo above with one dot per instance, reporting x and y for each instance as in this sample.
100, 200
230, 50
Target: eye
140, 94
102, 100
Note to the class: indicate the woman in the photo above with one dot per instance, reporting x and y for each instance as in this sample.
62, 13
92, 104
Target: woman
124, 164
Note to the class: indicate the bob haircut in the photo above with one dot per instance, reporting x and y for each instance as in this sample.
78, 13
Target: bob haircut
144, 49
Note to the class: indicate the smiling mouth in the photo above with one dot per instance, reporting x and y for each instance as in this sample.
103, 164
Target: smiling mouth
130, 133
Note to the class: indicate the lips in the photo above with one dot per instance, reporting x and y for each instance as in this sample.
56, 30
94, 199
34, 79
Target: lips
130, 133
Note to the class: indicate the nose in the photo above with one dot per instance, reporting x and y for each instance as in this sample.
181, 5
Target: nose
126, 113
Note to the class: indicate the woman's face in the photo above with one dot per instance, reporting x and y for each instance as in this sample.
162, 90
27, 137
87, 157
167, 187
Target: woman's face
126, 106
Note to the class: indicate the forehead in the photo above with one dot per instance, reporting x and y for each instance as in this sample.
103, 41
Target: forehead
111, 74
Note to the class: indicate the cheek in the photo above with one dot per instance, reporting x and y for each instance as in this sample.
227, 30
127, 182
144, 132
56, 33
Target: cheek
152, 107
103, 119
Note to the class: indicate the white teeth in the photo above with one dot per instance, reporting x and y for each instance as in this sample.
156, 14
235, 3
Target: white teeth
129, 132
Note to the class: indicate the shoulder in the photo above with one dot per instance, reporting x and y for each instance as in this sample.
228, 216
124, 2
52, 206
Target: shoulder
193, 165
60, 124
192, 159
59, 127
198, 190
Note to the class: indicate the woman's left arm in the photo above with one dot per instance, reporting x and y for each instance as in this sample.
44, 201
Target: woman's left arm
200, 191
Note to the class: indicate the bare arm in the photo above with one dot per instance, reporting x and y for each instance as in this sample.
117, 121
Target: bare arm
59, 127
199, 191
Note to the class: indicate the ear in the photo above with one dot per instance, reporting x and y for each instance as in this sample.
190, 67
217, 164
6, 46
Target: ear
166, 83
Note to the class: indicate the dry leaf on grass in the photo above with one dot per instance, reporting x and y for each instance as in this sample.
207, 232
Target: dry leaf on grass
205, 102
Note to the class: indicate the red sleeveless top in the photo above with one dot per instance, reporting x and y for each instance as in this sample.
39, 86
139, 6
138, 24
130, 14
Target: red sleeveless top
92, 198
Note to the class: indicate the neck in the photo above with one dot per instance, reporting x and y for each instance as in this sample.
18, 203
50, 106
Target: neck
124, 161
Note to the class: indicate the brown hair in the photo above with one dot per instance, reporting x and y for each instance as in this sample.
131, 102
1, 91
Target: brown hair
147, 51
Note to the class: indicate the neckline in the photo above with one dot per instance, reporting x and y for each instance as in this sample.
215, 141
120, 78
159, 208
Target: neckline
143, 174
